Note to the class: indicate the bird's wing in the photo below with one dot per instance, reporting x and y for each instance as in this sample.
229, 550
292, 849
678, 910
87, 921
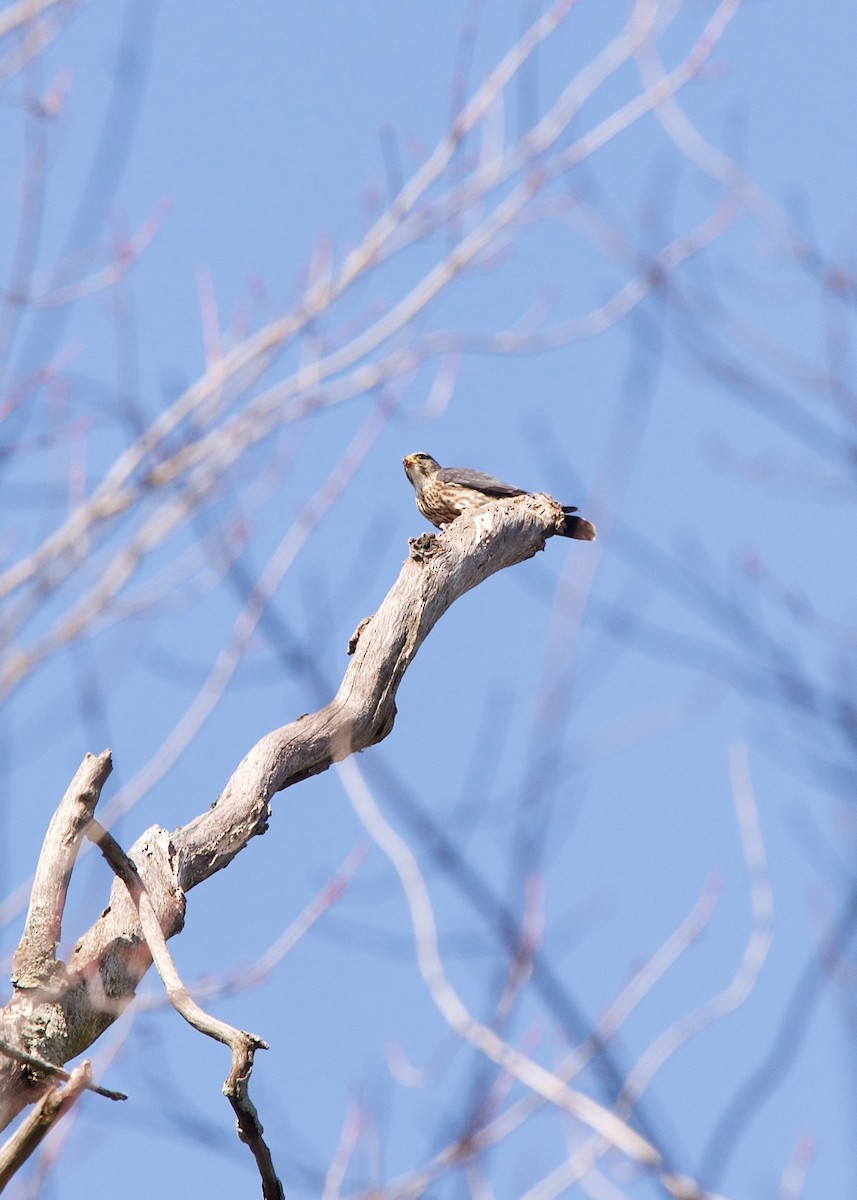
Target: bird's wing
465, 477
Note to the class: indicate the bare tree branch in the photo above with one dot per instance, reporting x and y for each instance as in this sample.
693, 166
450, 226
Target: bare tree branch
114, 954
53, 1105
35, 964
243, 1045
438, 571
61, 1020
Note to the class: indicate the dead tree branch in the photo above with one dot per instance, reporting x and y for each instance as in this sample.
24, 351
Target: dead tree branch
243, 1045
68, 1007
438, 571
35, 964
41, 1064
53, 1105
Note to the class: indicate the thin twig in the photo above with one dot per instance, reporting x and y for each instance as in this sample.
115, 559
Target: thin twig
755, 953
41, 1064
202, 460
52, 1106
24, 12
535, 1077
243, 1045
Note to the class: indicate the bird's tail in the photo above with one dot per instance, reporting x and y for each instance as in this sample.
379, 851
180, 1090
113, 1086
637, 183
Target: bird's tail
576, 527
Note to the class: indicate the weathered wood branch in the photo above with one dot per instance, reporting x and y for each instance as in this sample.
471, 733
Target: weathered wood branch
68, 1008
34, 964
42, 1066
243, 1045
438, 571
52, 1106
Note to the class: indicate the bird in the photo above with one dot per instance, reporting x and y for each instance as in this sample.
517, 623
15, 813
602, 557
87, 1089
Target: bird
444, 493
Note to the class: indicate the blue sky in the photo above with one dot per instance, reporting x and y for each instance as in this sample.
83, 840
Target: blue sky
257, 134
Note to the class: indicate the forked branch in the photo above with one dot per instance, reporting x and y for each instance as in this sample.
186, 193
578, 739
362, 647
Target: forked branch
58, 1010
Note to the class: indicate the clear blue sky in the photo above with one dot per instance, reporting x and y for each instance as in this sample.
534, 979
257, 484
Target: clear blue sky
254, 131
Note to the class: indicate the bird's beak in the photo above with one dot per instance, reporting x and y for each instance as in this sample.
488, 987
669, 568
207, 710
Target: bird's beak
407, 460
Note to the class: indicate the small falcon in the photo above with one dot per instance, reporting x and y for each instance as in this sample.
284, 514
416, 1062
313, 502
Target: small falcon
444, 493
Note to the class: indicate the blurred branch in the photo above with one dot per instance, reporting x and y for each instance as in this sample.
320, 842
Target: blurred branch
549, 1086
347, 1143
716, 1009
794, 1176
125, 253
26, 11
755, 952
491, 1133
191, 446
246, 976
787, 1042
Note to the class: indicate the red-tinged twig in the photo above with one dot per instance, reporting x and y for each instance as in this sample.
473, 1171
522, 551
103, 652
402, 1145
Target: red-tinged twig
125, 254
347, 1143
794, 1176
25, 11
251, 975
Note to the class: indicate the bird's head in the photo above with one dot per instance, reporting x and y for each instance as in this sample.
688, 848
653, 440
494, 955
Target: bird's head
420, 467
